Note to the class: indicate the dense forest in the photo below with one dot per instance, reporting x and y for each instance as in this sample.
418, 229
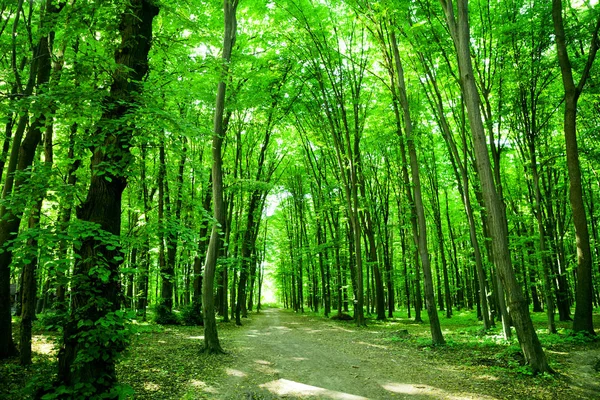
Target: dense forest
183, 161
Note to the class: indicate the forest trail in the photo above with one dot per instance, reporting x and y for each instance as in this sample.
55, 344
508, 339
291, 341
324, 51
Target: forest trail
279, 354
285, 355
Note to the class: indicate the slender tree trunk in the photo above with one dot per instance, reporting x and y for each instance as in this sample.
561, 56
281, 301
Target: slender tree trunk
421, 239
29, 289
530, 345
548, 295
166, 275
202, 245
211, 338
582, 321
21, 158
144, 270
437, 216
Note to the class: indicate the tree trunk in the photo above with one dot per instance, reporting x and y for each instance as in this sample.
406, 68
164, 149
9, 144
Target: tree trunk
84, 356
21, 158
29, 288
144, 269
211, 338
421, 238
582, 321
530, 345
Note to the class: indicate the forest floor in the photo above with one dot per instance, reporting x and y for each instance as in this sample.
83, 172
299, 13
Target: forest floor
278, 354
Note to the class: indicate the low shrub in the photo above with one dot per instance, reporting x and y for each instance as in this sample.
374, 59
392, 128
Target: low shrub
164, 316
191, 315
50, 321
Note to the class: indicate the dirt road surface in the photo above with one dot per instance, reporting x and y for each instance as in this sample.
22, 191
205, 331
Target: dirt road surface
278, 354
285, 355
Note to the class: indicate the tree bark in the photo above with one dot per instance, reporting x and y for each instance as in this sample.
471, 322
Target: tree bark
582, 321
530, 344
211, 338
98, 256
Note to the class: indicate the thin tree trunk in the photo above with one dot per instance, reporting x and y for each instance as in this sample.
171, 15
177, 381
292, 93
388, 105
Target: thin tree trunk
530, 344
21, 158
29, 289
582, 321
211, 338
144, 270
421, 238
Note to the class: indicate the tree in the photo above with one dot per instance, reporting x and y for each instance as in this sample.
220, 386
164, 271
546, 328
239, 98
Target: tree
93, 333
582, 321
458, 25
21, 158
211, 338
421, 234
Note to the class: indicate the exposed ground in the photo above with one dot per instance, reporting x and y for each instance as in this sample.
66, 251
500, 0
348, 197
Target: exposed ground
278, 354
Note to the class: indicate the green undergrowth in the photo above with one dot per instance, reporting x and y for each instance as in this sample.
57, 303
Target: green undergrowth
468, 343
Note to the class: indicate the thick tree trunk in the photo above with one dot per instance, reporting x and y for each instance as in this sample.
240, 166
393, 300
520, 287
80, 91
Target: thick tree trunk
85, 358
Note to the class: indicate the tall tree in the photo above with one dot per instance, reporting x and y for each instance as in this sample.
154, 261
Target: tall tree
421, 235
211, 337
21, 158
582, 321
93, 331
458, 24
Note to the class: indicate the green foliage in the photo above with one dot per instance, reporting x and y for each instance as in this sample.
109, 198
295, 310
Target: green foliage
192, 314
567, 337
164, 316
50, 321
87, 391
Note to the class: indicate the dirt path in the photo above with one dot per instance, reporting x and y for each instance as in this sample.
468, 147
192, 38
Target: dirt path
278, 354
284, 355
584, 372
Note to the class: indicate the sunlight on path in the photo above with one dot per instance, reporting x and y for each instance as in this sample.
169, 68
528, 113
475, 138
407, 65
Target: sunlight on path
284, 387
403, 388
286, 355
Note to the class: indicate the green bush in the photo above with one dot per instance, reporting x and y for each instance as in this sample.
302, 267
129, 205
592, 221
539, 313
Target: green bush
163, 316
50, 321
192, 315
